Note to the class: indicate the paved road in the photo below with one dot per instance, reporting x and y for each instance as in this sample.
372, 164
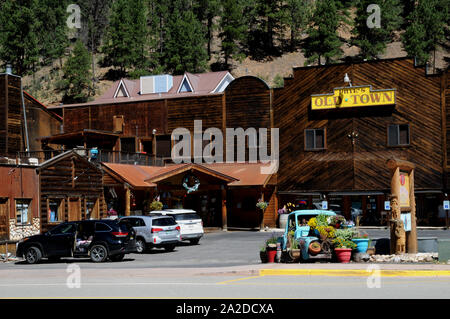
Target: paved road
216, 268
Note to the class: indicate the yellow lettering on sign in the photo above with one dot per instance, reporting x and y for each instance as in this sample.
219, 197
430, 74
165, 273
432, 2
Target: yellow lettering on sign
353, 97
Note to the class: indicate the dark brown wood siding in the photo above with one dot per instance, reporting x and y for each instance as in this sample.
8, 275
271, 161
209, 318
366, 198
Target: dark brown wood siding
57, 182
362, 165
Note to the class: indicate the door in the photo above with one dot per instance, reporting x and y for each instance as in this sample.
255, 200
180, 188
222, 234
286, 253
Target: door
4, 219
74, 209
61, 239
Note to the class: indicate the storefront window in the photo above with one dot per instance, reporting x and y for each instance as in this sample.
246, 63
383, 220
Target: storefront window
23, 211
91, 209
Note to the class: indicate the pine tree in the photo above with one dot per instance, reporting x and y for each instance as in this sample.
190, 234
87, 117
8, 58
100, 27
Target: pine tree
426, 29
77, 77
206, 11
232, 30
323, 40
184, 42
19, 29
125, 43
265, 20
298, 14
53, 39
370, 39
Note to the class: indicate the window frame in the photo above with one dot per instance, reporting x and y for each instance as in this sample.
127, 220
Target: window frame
60, 213
397, 125
324, 139
29, 211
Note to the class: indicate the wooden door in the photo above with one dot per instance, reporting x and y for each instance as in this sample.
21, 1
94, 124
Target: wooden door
4, 219
74, 209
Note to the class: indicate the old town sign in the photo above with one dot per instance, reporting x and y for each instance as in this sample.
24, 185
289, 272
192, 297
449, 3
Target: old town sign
353, 96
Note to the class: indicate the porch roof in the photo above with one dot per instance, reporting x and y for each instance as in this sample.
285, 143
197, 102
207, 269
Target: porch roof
235, 174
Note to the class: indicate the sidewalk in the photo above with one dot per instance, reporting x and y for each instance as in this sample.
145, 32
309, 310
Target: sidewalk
332, 269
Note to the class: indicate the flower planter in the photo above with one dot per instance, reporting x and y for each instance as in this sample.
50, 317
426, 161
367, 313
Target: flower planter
314, 248
263, 256
343, 254
283, 220
271, 254
361, 244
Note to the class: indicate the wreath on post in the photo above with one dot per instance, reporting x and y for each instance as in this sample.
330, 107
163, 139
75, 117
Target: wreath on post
191, 183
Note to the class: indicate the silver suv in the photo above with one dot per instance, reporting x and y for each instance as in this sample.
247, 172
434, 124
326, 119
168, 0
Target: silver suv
190, 223
154, 231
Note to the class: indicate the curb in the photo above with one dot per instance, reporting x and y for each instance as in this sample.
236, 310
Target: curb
354, 272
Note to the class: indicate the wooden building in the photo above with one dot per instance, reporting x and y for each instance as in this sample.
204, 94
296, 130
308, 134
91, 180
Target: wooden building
128, 121
19, 130
336, 136
70, 188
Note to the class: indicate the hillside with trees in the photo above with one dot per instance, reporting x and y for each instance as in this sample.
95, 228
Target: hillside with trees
63, 61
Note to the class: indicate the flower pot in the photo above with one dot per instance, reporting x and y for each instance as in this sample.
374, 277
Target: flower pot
263, 256
314, 248
271, 253
283, 220
343, 254
361, 244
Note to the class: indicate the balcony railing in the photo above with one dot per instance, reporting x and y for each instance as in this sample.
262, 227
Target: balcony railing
116, 157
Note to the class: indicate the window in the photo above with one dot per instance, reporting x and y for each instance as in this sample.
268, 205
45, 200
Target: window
163, 145
23, 211
134, 222
398, 134
118, 122
128, 144
55, 210
102, 227
92, 208
167, 221
64, 228
315, 139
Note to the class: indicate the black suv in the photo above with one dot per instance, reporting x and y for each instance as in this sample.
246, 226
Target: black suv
97, 239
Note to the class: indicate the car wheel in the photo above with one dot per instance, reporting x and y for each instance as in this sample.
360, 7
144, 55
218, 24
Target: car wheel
118, 257
194, 241
33, 255
169, 247
140, 246
98, 253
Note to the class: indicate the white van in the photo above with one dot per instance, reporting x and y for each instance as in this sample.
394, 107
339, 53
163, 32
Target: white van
191, 225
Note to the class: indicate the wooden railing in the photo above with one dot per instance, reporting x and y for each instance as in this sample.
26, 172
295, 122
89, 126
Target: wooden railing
117, 157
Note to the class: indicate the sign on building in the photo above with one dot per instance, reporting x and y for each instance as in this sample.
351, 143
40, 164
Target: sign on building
356, 96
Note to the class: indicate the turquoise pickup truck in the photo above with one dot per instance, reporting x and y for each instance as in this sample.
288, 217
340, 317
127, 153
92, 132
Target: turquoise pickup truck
298, 223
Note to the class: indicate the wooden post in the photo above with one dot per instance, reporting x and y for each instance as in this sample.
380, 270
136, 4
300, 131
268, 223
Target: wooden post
127, 201
224, 209
411, 237
261, 227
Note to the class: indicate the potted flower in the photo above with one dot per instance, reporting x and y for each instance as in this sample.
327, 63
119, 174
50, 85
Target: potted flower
271, 249
262, 205
343, 249
263, 254
336, 221
362, 243
294, 251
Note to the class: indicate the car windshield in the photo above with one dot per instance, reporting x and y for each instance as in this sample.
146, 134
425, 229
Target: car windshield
187, 216
168, 221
